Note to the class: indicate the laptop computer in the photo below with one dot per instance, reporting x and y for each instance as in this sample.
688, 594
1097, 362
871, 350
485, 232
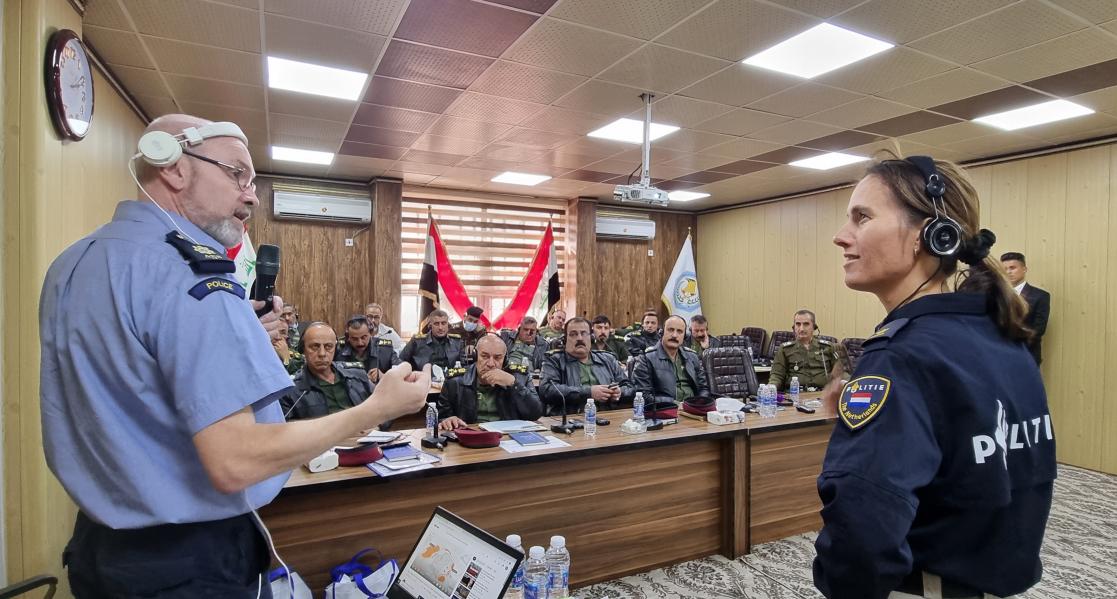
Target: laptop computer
454, 559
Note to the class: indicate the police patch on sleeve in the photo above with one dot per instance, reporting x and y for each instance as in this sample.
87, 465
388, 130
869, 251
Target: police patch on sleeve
212, 284
862, 399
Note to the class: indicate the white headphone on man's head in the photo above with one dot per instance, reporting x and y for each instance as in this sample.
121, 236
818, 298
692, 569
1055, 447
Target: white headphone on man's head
159, 148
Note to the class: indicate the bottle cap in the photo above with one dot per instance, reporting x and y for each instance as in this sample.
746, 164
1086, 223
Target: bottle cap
536, 552
558, 542
513, 540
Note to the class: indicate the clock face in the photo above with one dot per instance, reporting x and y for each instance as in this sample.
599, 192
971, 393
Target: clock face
69, 85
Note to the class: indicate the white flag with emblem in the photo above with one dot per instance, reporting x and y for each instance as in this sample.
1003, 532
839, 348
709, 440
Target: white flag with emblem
680, 295
244, 256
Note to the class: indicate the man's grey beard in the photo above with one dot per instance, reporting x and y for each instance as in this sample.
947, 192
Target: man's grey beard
227, 231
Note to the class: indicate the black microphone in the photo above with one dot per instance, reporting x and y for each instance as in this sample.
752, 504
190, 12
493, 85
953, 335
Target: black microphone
267, 269
297, 400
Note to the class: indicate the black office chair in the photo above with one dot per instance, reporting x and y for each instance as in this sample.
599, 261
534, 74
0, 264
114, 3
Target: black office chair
778, 339
832, 340
853, 350
730, 373
756, 336
31, 584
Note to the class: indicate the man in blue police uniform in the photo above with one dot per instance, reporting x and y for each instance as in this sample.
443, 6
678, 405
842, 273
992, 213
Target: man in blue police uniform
488, 390
159, 393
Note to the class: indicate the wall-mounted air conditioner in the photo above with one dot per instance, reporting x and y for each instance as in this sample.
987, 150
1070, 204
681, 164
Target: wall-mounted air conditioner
624, 225
321, 207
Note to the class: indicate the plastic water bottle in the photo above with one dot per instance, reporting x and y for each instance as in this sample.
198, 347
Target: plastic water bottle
795, 390
432, 419
590, 428
535, 574
638, 408
558, 568
768, 402
516, 588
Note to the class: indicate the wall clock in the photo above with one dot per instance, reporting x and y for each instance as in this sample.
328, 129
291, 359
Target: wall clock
69, 83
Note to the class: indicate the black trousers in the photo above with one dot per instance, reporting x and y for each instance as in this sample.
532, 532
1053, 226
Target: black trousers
220, 559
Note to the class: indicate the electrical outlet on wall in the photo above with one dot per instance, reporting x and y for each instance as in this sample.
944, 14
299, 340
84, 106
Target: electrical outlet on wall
348, 243
651, 253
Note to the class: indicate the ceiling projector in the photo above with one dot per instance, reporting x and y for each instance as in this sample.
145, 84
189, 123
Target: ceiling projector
640, 194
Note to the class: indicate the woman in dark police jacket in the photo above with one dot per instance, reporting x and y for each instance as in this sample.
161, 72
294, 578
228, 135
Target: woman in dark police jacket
940, 471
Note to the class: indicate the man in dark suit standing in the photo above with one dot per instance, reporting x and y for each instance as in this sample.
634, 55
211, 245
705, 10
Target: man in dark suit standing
1039, 301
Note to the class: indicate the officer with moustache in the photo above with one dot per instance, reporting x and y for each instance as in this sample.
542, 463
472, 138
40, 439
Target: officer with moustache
576, 373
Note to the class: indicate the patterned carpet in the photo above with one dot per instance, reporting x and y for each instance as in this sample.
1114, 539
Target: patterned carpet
1079, 557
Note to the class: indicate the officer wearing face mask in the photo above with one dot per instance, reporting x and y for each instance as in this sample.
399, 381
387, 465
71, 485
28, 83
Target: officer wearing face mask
471, 330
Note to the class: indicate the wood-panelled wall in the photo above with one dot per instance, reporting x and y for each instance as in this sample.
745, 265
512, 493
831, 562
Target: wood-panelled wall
759, 264
617, 277
325, 279
54, 193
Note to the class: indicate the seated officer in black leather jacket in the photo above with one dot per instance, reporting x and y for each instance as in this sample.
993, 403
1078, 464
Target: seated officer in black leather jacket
375, 355
525, 342
646, 336
577, 373
438, 346
669, 371
323, 386
484, 391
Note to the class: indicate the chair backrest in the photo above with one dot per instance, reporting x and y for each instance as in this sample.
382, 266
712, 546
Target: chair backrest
778, 339
854, 350
832, 340
733, 341
730, 372
756, 336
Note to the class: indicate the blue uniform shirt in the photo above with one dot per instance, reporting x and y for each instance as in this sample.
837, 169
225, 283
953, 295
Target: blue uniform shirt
133, 365
943, 458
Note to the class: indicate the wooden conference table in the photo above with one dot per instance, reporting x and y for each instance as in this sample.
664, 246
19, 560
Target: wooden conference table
625, 503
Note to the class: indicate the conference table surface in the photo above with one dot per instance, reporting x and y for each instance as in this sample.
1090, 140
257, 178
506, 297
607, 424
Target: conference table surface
626, 503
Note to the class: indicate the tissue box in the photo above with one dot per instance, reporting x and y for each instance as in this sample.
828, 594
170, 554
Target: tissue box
725, 417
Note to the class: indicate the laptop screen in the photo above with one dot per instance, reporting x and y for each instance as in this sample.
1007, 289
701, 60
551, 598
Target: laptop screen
456, 560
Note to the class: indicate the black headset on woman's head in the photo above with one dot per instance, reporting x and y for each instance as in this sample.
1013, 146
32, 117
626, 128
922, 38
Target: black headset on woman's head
943, 235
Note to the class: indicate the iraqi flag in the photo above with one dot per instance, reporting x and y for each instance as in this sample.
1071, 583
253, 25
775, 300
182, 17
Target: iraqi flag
680, 294
243, 256
428, 277
542, 271
551, 277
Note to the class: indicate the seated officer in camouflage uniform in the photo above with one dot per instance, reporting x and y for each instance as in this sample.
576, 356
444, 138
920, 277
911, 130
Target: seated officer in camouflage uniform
525, 342
811, 359
576, 373
360, 345
484, 391
290, 316
648, 335
670, 371
323, 386
292, 360
470, 330
555, 322
605, 340
439, 346
700, 337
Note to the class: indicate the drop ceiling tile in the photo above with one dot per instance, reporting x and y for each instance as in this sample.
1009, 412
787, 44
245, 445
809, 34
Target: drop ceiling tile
358, 167
860, 112
690, 140
642, 19
566, 159
420, 168
603, 98
819, 8
204, 61
902, 22
588, 176
106, 13
786, 155
1102, 100
193, 89
536, 6
994, 145
736, 29
1069, 129
570, 48
447, 145
840, 141
523, 82
353, 148
510, 153
886, 70
682, 111
908, 123
562, 120
404, 60
698, 162
156, 106
539, 139
463, 25
794, 132
301, 142
743, 148
704, 177
1094, 11
322, 44
617, 166
601, 148
469, 176
118, 48
1079, 81
741, 122
384, 137
950, 134
804, 99
660, 155
246, 118
198, 22
1014, 27
1079, 49
373, 17
288, 102
740, 85
946, 87
408, 94
1110, 26
992, 102
472, 105
743, 167
889, 147
467, 129
145, 82
411, 178
433, 157
387, 117
661, 69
